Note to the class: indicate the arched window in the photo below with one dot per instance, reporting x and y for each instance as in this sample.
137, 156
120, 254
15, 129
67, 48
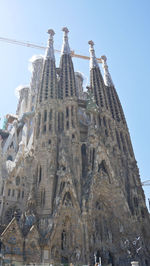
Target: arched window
136, 203
99, 120
102, 166
93, 158
67, 124
40, 174
118, 140
110, 129
38, 125
18, 196
84, 159
17, 180
143, 212
45, 116
13, 193
67, 112
9, 158
63, 240
104, 122
72, 121
67, 201
72, 111
43, 197
60, 121
50, 115
9, 191
123, 142
83, 149
44, 121
103, 169
106, 132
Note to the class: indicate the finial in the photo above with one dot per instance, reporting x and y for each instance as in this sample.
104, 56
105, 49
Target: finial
65, 47
93, 60
65, 29
91, 43
107, 77
104, 58
51, 32
50, 49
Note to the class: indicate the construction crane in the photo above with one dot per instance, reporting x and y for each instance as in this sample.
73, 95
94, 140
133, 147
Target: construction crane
146, 183
36, 46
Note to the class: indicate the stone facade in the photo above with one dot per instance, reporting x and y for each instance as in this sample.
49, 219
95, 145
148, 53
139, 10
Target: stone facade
70, 190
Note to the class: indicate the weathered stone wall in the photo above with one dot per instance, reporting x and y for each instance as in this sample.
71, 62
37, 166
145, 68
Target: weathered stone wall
72, 177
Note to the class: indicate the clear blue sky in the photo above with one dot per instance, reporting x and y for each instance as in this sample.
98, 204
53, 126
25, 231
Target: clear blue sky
120, 30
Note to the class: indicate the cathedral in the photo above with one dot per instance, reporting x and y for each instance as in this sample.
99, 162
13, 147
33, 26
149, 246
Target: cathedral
70, 190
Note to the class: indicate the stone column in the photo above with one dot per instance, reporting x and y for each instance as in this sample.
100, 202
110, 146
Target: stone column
134, 263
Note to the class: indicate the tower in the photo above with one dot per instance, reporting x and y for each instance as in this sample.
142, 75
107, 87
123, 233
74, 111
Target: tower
83, 197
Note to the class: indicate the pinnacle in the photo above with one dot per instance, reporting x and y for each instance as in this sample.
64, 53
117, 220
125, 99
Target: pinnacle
93, 60
107, 77
50, 49
91, 43
65, 29
65, 46
51, 32
104, 58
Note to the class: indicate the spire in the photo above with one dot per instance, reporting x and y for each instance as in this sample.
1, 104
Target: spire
107, 77
96, 79
113, 99
50, 50
48, 84
93, 60
65, 47
67, 84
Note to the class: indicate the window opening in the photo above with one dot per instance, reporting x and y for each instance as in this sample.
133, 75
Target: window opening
40, 174
63, 240
45, 116
9, 190
67, 112
93, 158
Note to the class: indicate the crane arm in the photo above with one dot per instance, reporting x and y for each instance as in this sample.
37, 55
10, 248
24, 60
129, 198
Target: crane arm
36, 46
146, 183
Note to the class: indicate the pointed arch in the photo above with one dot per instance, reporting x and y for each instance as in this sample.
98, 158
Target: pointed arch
67, 200
102, 166
84, 159
63, 239
40, 174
